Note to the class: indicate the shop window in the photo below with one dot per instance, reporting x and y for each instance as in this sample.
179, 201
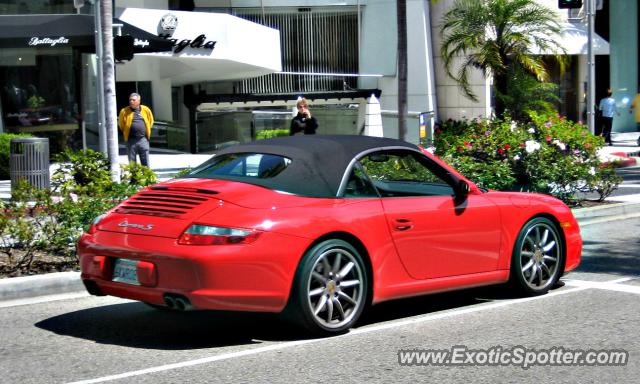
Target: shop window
38, 94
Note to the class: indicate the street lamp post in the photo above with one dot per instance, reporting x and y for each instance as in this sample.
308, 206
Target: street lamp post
591, 86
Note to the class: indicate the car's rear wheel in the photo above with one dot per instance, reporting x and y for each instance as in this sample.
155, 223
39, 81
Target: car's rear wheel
538, 257
330, 288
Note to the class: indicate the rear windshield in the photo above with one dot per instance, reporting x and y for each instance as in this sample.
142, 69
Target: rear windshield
239, 166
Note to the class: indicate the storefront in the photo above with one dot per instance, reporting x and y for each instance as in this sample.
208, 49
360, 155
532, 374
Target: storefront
48, 68
39, 66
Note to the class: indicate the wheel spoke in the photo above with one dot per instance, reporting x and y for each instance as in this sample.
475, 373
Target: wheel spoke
347, 298
540, 281
534, 272
329, 310
549, 246
547, 257
347, 268
316, 292
319, 277
321, 303
326, 267
545, 269
349, 283
338, 306
527, 266
545, 236
337, 262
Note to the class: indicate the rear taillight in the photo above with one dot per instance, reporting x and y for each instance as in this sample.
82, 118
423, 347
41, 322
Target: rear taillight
94, 225
208, 235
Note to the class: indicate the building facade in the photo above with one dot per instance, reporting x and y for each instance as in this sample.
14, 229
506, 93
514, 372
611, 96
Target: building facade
237, 67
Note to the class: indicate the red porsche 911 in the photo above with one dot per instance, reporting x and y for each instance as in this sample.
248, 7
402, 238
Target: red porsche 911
320, 227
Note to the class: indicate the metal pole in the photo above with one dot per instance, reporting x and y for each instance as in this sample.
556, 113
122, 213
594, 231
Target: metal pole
591, 91
102, 131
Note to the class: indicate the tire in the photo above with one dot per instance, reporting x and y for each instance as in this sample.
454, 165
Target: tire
538, 257
330, 290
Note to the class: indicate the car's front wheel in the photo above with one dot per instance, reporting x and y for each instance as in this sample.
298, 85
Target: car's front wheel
538, 257
330, 288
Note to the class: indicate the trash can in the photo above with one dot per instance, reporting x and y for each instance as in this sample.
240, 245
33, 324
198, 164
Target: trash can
29, 160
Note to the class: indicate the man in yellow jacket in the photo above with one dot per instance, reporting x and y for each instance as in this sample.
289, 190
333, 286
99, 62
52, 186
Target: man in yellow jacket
135, 122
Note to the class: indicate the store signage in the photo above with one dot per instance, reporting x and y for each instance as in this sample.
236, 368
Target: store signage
52, 42
198, 42
140, 43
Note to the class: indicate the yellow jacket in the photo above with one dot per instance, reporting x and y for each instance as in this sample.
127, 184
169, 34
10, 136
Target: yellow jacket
125, 119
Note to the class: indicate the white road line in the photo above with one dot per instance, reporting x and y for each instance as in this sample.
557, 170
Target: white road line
42, 299
613, 285
364, 330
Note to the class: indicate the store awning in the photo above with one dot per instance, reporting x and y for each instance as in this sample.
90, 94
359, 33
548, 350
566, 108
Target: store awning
206, 47
143, 41
46, 31
574, 38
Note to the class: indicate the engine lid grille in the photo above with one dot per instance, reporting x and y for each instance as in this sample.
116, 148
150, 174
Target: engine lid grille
163, 202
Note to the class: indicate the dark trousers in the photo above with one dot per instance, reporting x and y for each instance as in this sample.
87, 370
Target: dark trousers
607, 122
138, 146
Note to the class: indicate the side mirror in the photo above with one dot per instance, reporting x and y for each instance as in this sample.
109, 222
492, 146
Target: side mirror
462, 188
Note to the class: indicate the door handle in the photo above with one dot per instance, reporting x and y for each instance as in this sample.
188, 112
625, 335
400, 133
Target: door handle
403, 224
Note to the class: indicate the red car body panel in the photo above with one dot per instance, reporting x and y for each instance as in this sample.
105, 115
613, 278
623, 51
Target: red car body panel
411, 245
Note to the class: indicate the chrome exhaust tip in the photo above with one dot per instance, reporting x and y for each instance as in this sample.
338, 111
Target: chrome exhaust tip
170, 302
182, 304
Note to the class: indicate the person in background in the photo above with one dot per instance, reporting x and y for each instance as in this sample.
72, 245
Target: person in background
135, 122
303, 122
608, 108
635, 104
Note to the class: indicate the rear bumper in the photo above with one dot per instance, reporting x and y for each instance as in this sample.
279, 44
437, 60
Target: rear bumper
255, 277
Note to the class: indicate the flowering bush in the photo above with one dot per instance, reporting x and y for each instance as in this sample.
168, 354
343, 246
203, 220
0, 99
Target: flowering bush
549, 154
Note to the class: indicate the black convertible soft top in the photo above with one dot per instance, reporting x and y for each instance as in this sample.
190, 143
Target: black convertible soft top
318, 162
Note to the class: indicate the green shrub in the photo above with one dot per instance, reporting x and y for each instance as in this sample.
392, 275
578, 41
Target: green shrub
83, 171
271, 133
138, 175
5, 139
549, 155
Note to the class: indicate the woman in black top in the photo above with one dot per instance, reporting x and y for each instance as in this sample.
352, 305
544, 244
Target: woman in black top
303, 122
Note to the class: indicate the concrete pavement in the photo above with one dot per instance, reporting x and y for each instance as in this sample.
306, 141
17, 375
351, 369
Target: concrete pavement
20, 288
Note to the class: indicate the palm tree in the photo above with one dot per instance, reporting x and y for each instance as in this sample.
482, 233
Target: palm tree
496, 35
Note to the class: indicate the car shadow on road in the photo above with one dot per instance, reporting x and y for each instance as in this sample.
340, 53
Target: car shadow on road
138, 326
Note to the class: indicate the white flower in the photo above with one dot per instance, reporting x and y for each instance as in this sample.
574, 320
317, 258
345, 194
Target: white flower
513, 126
559, 144
73, 197
592, 171
516, 157
531, 130
531, 146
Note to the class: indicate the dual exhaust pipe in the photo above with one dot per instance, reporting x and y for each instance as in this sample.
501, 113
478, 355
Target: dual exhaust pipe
177, 302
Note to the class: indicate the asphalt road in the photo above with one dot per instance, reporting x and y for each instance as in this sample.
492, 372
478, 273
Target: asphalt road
90, 339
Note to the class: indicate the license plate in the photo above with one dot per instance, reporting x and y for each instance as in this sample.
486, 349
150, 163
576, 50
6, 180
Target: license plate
126, 271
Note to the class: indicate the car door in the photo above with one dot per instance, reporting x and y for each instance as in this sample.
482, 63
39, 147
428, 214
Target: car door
436, 234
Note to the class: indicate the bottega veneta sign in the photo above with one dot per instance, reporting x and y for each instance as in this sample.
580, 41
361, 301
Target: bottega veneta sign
52, 42
198, 42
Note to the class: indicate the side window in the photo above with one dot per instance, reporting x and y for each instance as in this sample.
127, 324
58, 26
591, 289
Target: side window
404, 173
359, 185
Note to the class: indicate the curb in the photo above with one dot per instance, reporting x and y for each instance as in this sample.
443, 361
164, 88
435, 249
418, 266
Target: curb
40, 285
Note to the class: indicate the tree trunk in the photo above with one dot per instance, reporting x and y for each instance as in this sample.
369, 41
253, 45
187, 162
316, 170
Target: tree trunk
500, 86
108, 69
402, 68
